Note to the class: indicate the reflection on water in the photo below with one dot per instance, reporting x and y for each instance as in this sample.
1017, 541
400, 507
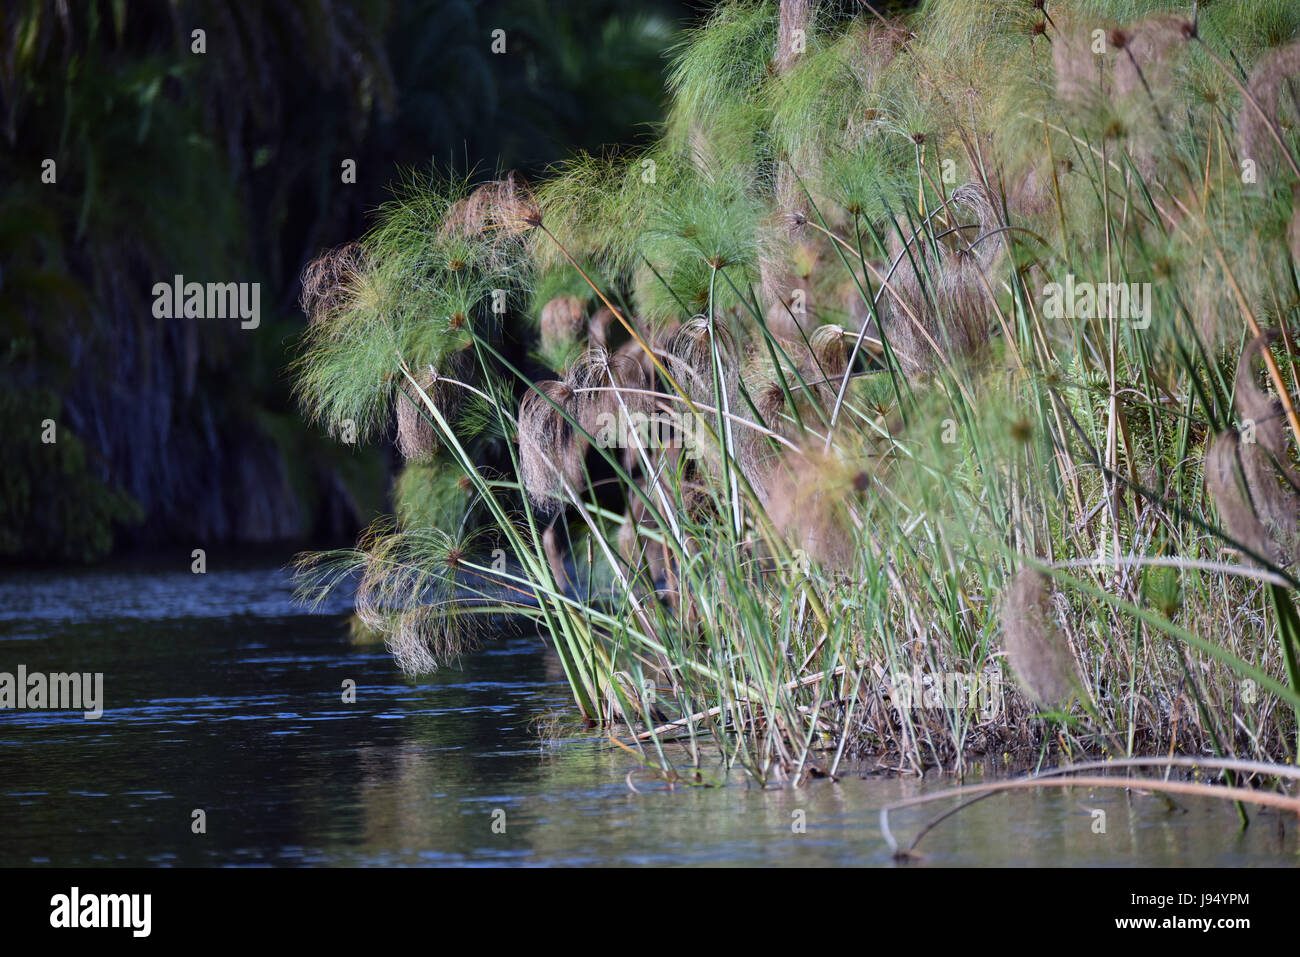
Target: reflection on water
224, 696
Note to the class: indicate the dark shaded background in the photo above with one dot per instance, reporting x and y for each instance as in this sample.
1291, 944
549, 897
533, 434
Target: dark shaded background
225, 167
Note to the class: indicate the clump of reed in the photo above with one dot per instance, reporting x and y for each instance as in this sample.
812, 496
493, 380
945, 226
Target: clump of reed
908, 455
1033, 642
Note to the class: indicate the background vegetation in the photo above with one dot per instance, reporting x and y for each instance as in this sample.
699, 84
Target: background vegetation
225, 166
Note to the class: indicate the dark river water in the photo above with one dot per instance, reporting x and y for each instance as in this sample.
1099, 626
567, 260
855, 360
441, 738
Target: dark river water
223, 696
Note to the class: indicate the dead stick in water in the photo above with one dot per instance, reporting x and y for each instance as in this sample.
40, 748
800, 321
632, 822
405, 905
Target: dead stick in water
1056, 778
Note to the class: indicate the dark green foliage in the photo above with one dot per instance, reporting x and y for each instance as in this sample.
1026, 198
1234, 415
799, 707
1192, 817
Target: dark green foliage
226, 166
52, 507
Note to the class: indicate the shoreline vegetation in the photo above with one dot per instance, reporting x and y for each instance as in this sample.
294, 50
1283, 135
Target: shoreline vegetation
974, 333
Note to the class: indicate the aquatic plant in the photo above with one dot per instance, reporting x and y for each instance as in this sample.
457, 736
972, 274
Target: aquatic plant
975, 338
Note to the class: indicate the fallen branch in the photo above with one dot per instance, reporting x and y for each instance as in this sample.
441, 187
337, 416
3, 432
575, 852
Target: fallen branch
1055, 778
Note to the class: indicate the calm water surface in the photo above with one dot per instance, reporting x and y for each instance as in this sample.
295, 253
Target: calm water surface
221, 694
